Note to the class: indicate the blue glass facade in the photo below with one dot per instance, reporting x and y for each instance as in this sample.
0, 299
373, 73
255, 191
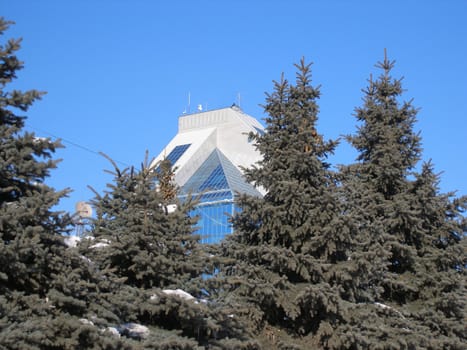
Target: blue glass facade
209, 184
209, 152
175, 154
213, 224
214, 185
215, 181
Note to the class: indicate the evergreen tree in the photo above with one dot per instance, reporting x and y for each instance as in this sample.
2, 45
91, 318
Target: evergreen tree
144, 243
143, 236
46, 290
417, 230
441, 259
374, 260
282, 267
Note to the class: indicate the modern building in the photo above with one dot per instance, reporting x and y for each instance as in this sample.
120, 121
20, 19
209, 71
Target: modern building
208, 153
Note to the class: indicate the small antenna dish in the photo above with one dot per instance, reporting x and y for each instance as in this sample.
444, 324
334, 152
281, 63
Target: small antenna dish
83, 210
200, 108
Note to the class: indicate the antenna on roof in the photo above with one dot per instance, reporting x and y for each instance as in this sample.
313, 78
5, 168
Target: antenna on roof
187, 108
189, 98
238, 100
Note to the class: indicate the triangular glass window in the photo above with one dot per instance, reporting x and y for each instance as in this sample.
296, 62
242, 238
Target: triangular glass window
175, 154
215, 181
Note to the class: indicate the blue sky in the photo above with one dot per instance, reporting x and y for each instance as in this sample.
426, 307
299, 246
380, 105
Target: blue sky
118, 72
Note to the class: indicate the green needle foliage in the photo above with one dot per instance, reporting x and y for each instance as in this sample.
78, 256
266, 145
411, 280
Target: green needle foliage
417, 231
370, 257
278, 270
141, 242
46, 290
142, 236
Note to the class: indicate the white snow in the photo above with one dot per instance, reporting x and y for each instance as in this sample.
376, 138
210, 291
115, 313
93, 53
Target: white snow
134, 330
180, 293
39, 140
112, 330
49, 304
72, 241
383, 306
89, 261
86, 321
101, 244
171, 208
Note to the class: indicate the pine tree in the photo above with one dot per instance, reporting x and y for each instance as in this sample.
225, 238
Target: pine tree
418, 231
143, 236
46, 290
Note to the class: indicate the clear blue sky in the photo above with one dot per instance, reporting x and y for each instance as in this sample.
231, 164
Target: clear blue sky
118, 73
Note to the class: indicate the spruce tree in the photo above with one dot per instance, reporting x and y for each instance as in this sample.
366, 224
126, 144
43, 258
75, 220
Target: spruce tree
418, 231
143, 237
46, 290
144, 243
280, 268
442, 259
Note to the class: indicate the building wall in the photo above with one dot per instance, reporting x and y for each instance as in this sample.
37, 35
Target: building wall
210, 168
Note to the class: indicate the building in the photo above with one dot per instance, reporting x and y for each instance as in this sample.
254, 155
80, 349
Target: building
208, 152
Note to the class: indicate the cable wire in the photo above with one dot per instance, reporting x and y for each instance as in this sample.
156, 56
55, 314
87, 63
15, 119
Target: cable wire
84, 148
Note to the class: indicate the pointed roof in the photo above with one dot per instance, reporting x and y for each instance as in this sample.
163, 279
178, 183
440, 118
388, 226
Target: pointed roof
221, 134
215, 177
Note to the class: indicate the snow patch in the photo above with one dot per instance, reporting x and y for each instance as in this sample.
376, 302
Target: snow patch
168, 208
72, 241
178, 292
49, 304
171, 208
103, 243
134, 330
89, 261
39, 140
86, 321
112, 330
383, 306
99, 245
